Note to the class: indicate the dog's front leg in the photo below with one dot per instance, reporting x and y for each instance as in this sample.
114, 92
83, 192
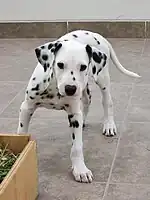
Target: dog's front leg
26, 111
79, 169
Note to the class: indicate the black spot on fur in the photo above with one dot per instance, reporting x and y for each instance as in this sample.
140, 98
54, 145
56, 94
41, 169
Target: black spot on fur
74, 78
50, 46
89, 51
67, 105
52, 50
73, 136
56, 44
66, 40
104, 63
62, 108
37, 93
94, 70
83, 67
104, 88
60, 65
42, 97
48, 96
56, 49
38, 103
97, 40
51, 96
45, 92
52, 75
45, 67
34, 78
75, 36
59, 95
21, 125
69, 118
38, 52
71, 72
75, 124
36, 88
99, 71
42, 47
27, 92
48, 79
44, 81
105, 58
88, 91
96, 57
51, 104
45, 57
31, 114
31, 97
87, 33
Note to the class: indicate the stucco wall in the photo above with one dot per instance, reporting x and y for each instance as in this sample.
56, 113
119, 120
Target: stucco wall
73, 10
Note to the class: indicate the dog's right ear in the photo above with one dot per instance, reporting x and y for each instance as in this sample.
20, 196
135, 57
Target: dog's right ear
46, 54
43, 52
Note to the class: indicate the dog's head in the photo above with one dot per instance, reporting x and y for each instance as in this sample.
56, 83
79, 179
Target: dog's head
70, 61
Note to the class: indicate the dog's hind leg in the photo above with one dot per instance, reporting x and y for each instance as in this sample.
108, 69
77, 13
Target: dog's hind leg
103, 81
26, 111
86, 101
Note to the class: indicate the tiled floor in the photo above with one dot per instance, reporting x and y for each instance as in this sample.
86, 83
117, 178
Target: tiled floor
121, 165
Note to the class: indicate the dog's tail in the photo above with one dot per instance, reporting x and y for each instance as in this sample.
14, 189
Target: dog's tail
118, 64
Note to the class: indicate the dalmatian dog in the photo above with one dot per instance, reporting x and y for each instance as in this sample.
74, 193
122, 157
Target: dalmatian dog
60, 81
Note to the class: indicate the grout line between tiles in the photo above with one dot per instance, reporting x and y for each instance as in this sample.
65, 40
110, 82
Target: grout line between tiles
67, 26
121, 133
145, 27
25, 82
132, 184
41, 118
12, 100
139, 122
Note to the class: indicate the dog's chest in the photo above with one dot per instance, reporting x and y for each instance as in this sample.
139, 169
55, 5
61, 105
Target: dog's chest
50, 98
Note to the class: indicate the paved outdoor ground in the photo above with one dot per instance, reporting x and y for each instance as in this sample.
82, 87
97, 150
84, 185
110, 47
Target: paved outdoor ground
121, 165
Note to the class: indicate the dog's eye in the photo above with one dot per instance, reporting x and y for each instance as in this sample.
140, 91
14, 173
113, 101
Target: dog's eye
83, 67
60, 65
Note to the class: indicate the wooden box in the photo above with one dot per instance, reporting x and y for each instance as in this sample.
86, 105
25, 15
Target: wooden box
21, 183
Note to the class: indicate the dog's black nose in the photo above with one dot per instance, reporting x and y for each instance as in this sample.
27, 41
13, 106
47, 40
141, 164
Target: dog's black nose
70, 89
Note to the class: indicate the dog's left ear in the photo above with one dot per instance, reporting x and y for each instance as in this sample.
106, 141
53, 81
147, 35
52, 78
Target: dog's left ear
95, 55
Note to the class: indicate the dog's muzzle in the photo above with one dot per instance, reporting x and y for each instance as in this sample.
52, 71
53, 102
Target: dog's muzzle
70, 90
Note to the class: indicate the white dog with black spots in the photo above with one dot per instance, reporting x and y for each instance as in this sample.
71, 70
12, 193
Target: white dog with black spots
60, 81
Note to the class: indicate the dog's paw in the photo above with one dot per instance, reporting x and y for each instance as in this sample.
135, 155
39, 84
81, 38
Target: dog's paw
109, 128
81, 173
